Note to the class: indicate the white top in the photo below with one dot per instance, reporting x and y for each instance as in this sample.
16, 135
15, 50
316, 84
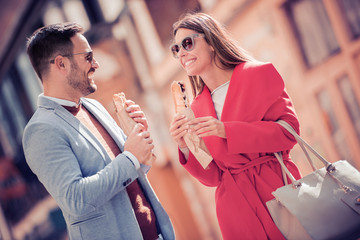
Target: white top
218, 97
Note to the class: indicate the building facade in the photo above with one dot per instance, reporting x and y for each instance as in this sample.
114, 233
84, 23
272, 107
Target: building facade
314, 44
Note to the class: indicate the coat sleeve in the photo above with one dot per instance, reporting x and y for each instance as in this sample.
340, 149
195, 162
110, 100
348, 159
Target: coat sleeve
259, 100
50, 156
264, 135
210, 176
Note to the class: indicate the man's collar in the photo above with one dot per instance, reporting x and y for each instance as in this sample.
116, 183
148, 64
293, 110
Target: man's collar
63, 102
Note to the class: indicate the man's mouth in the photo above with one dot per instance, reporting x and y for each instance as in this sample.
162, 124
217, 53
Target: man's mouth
91, 73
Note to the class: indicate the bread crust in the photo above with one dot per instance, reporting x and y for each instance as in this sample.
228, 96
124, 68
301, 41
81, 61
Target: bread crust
126, 123
195, 144
180, 96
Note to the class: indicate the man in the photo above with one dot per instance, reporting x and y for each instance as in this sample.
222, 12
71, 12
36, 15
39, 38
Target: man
94, 172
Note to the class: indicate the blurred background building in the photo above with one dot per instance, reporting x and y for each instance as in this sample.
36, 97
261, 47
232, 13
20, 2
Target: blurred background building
314, 44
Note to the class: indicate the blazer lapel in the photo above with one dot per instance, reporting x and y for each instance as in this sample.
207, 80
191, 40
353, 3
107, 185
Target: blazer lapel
107, 122
84, 131
75, 124
100, 114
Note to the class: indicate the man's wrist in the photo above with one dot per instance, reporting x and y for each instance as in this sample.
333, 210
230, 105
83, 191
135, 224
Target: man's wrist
133, 159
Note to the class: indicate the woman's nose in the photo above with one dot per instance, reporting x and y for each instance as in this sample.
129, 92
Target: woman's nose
181, 52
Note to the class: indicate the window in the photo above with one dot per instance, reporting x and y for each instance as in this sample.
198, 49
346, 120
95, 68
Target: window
111, 9
351, 9
29, 79
312, 29
12, 111
332, 125
67, 11
164, 13
351, 103
15, 111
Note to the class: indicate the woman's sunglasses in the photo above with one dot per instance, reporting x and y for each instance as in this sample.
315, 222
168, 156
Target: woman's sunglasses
187, 44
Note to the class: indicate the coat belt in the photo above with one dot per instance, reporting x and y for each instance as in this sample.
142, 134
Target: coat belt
251, 164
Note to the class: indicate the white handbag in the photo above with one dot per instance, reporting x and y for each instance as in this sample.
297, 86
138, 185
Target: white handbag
322, 205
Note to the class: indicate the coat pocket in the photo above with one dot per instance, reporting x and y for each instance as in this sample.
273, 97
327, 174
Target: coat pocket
90, 228
95, 217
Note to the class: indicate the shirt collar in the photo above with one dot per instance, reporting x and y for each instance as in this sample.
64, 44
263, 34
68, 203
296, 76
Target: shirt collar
63, 102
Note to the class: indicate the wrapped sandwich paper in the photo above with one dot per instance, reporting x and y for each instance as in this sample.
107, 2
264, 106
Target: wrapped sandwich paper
195, 144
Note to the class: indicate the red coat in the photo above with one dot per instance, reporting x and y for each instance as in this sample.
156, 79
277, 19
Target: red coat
243, 169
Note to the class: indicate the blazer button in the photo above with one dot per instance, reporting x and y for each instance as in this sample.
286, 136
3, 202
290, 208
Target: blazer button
127, 182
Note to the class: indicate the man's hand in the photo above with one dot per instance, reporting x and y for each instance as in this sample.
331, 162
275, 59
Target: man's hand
139, 143
136, 114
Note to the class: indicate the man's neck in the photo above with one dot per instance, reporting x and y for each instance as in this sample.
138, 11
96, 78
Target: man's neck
58, 89
61, 95
64, 102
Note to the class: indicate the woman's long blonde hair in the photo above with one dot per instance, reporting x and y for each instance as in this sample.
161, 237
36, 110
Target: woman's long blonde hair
226, 52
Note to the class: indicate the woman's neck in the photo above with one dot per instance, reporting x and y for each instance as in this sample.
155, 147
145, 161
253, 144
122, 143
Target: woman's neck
217, 77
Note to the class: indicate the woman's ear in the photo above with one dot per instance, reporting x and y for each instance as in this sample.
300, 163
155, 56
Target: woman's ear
212, 51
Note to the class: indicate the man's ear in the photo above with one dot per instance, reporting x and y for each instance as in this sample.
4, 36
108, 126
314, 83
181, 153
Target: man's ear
59, 62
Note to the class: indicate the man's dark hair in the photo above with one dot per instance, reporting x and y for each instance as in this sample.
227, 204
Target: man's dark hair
48, 42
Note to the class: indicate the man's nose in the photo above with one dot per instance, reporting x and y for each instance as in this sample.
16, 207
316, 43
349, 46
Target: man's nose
95, 64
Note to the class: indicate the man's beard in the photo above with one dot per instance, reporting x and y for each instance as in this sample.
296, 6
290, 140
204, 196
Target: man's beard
79, 81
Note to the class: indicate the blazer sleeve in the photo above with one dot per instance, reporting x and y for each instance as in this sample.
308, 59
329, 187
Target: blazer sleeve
210, 176
50, 156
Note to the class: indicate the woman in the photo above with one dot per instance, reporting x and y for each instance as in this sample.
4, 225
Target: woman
237, 103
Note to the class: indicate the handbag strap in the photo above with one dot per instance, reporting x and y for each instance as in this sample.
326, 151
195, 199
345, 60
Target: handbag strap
284, 169
314, 168
329, 167
303, 146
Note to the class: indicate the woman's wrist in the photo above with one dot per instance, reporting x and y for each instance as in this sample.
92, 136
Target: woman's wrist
182, 147
185, 150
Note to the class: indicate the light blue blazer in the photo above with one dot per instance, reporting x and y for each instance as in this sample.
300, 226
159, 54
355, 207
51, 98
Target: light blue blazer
88, 186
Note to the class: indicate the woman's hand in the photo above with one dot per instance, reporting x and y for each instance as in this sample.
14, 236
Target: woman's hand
136, 114
178, 128
207, 126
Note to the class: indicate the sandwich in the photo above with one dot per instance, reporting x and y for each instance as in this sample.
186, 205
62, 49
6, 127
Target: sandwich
195, 144
126, 123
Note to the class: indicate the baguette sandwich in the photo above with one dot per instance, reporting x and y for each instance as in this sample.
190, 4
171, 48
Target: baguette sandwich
125, 121
195, 144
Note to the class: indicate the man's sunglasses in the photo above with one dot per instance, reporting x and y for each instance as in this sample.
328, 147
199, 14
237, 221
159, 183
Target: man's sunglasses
187, 44
89, 56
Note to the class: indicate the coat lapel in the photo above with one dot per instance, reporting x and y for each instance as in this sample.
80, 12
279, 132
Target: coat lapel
253, 88
203, 106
